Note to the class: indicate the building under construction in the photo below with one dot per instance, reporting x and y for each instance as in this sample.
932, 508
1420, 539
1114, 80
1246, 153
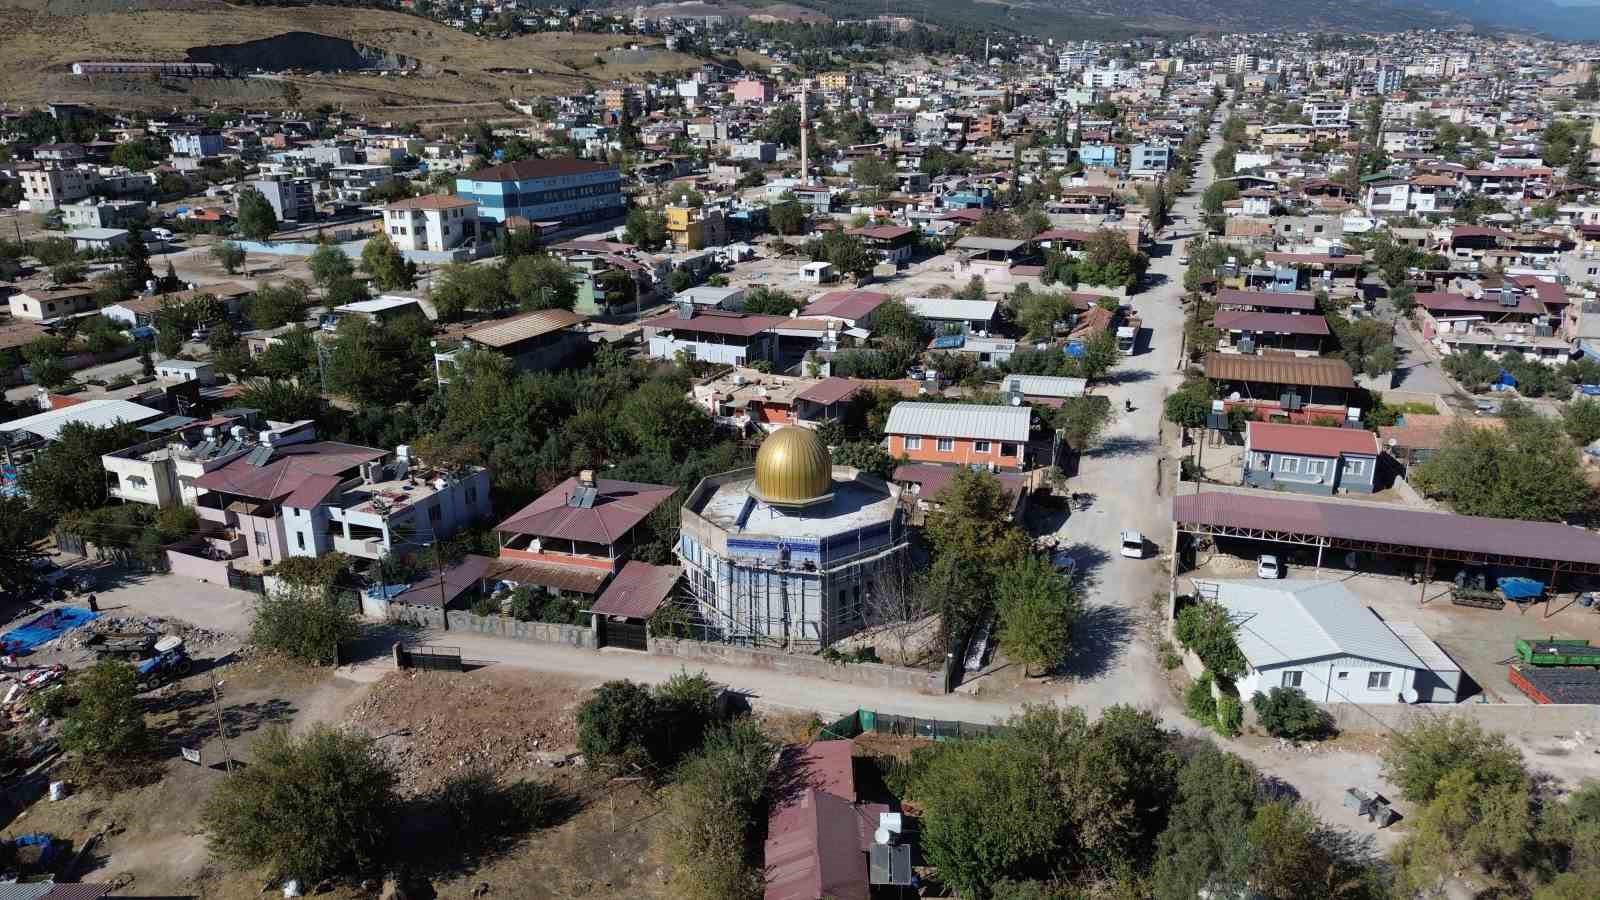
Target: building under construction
789, 554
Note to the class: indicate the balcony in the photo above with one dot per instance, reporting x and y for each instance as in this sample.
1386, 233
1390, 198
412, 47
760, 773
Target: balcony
366, 548
226, 546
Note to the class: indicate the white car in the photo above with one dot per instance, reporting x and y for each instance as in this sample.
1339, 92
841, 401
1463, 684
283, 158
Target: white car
1132, 544
1269, 567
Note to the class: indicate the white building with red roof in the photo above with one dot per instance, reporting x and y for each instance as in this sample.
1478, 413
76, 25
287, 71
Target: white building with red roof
436, 223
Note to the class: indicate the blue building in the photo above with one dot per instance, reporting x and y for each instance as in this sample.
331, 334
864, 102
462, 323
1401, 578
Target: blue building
546, 190
205, 142
1101, 155
1150, 159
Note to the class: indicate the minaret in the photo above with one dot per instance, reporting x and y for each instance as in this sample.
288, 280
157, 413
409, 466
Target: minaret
805, 169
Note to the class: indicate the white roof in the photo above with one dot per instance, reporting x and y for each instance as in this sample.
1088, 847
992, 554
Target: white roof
1424, 647
97, 234
190, 364
976, 421
99, 413
1045, 385
376, 305
946, 308
1291, 621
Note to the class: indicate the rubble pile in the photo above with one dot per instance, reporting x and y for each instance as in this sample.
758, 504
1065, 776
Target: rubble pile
436, 724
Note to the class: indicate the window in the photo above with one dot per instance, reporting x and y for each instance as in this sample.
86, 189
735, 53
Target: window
1355, 467
1008, 450
981, 447
472, 494
1343, 675
261, 538
913, 442
300, 539
1377, 681
1289, 464
947, 445
435, 514
1317, 467
1292, 678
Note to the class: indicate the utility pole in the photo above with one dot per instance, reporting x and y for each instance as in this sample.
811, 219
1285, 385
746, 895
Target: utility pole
222, 731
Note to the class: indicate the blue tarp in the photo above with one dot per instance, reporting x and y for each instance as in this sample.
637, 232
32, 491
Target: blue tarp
1590, 390
1075, 348
387, 591
1520, 588
44, 629
949, 341
1506, 378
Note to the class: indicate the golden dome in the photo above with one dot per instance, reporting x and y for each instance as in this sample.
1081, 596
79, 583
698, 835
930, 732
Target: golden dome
793, 468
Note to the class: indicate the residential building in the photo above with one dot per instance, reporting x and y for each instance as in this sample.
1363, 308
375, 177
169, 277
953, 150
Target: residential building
292, 199
47, 188
820, 836
568, 191
202, 371
966, 434
1043, 390
1418, 436
789, 553
945, 314
894, 243
197, 143
537, 341
1310, 459
99, 240
436, 223
381, 310
1317, 638
1150, 160
695, 227
752, 90
42, 305
1244, 331
717, 336
1284, 388
91, 213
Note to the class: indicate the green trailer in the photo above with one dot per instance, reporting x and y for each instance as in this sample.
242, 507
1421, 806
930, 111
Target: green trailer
1554, 651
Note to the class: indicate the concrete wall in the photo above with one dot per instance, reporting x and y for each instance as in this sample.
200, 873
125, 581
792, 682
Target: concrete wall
867, 674
1365, 718
198, 567
507, 627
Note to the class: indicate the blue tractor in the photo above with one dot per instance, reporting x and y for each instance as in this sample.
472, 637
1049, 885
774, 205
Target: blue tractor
170, 661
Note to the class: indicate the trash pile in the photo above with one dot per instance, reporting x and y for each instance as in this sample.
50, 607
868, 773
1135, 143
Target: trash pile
435, 724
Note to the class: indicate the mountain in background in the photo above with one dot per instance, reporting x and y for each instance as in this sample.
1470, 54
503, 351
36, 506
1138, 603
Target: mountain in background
1577, 21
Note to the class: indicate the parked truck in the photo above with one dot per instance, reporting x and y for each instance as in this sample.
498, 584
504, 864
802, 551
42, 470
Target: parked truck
1128, 335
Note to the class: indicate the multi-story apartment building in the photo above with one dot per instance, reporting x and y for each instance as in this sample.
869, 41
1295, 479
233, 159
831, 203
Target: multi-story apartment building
197, 142
963, 434
544, 190
292, 199
50, 187
435, 223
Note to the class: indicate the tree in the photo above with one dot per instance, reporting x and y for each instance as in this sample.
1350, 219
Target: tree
282, 400
984, 815
1290, 858
377, 365
1581, 419
867, 456
67, 272
1037, 606
786, 217
460, 287
1109, 260
712, 815
1418, 758
229, 256
135, 266
614, 723
107, 726
767, 301
256, 218
542, 282
293, 355
312, 807
1288, 713
305, 623
389, 269
133, 155
848, 254
21, 527
972, 538
1527, 470
329, 265
1205, 628
1081, 420
645, 228
1205, 846
55, 483
1039, 313
1098, 356
1590, 89
276, 305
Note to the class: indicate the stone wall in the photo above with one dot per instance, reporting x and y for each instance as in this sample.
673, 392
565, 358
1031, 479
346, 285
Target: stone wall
806, 666
1517, 718
507, 627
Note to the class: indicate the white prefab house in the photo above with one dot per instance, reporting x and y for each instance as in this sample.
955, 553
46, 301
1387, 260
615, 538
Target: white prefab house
1315, 636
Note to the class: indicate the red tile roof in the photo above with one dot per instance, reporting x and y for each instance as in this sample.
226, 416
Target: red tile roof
1311, 440
851, 305
1277, 323
829, 391
638, 590
432, 201
619, 506
881, 232
290, 468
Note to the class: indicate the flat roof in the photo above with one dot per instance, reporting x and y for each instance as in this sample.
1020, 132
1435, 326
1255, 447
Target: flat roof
377, 304
950, 308
852, 506
97, 234
1387, 524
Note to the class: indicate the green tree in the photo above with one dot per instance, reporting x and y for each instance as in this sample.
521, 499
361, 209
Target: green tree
305, 623
229, 256
1288, 713
67, 272
786, 217
618, 722
1419, 758
1204, 845
292, 355
133, 155
848, 254
1205, 628
329, 265
1040, 312
460, 287
712, 815
276, 305
867, 456
256, 218
21, 527
282, 400
1037, 606
771, 302
107, 726
379, 364
1527, 470
542, 282
1081, 420
1291, 858
972, 537
388, 268
645, 228
55, 482
312, 807
1581, 419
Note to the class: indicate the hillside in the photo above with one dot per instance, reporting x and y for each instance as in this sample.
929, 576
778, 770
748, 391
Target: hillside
452, 67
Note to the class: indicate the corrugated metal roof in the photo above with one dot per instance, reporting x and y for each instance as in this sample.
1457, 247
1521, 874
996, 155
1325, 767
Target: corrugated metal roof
961, 420
947, 308
1423, 646
25, 891
1310, 440
1045, 385
1276, 323
1289, 621
1286, 370
100, 413
521, 328
1386, 524
638, 590
1004, 245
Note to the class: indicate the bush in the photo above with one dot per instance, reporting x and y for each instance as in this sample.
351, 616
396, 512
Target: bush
107, 726
1420, 757
1230, 715
712, 816
1288, 713
484, 814
305, 623
1205, 628
628, 724
1198, 702
312, 807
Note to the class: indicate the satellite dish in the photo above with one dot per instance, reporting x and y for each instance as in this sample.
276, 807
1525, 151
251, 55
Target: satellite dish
1016, 400
1409, 695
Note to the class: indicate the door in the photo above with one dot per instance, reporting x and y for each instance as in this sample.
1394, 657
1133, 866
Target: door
628, 634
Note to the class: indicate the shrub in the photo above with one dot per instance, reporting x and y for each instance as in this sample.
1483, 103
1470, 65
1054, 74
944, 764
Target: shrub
1288, 713
712, 816
1420, 757
304, 623
1205, 628
1230, 715
628, 724
1198, 702
107, 724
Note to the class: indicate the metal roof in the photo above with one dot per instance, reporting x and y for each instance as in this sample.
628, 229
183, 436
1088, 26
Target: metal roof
1267, 299
522, 328
947, 308
638, 590
1286, 370
97, 234
617, 508
101, 413
1290, 621
961, 420
1387, 524
1276, 323
1431, 654
1005, 245
1045, 385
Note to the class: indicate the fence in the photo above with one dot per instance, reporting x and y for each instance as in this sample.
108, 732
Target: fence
516, 629
868, 674
866, 721
427, 656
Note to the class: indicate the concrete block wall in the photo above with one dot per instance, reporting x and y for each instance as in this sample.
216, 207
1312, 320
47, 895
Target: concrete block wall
507, 627
1518, 718
866, 674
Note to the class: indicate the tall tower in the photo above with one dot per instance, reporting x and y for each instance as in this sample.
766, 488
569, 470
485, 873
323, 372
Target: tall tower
805, 148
